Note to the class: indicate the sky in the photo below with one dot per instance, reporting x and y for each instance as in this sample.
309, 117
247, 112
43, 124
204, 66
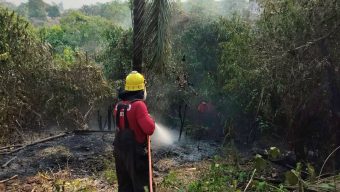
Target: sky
67, 3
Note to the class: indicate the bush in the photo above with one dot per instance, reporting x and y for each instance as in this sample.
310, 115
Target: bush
37, 92
221, 177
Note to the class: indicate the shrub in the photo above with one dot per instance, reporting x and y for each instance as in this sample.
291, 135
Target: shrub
35, 90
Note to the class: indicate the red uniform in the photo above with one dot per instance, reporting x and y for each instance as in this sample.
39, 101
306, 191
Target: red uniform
202, 107
139, 120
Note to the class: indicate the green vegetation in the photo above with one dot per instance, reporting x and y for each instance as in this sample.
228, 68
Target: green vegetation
224, 176
77, 31
109, 172
277, 71
36, 9
270, 72
28, 70
117, 11
117, 54
221, 177
171, 180
53, 11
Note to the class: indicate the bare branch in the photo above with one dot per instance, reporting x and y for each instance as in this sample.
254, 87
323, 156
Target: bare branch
308, 44
251, 180
8, 162
4, 181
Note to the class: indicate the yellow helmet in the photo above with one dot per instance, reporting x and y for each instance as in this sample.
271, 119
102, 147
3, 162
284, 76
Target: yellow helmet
134, 82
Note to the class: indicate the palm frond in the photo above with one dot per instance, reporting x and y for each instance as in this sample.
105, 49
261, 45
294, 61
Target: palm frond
138, 33
156, 33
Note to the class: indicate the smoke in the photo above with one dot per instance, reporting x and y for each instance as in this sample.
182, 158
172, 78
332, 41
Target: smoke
163, 136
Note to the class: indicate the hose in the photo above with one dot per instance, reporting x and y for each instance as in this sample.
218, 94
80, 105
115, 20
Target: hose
150, 165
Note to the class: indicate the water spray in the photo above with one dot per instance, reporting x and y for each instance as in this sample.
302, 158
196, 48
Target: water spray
163, 136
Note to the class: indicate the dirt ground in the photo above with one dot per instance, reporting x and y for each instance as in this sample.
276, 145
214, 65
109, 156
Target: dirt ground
84, 162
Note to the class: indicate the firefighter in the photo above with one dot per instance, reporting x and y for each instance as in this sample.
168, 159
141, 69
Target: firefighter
134, 125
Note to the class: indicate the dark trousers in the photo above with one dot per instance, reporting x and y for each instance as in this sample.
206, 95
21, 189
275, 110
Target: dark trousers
132, 169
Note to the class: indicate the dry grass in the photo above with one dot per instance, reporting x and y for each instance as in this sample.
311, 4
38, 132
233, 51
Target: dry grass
68, 181
55, 150
63, 180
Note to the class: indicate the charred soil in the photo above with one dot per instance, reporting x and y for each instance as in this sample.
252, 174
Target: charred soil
84, 161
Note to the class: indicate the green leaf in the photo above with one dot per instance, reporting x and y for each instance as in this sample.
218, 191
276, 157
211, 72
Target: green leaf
261, 186
311, 172
274, 153
327, 187
4, 56
260, 163
291, 178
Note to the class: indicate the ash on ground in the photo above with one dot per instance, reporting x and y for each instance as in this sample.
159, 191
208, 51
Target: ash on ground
185, 152
85, 154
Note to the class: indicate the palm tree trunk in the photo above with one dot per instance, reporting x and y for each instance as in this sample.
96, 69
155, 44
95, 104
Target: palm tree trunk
138, 34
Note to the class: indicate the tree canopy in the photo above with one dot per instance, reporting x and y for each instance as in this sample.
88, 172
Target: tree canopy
36, 9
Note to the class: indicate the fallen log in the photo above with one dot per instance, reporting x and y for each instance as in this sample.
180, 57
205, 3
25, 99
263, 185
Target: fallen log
6, 180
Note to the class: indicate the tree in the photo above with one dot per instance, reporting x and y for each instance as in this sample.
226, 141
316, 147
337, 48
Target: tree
53, 11
116, 57
9, 5
77, 30
36, 9
116, 11
22, 9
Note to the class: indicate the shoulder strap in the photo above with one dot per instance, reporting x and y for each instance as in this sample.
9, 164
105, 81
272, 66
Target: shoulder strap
125, 117
125, 107
120, 107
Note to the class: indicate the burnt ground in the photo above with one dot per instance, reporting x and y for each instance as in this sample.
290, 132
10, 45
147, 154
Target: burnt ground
87, 155
84, 162
82, 152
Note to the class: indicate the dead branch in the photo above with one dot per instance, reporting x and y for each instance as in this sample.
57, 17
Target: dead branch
34, 143
88, 112
251, 180
8, 147
90, 131
315, 40
326, 161
4, 181
19, 132
8, 162
20, 147
48, 139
